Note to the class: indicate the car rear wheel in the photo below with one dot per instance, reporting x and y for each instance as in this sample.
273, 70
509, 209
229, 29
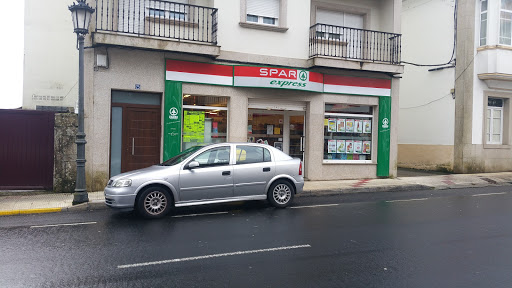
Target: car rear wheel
154, 202
280, 194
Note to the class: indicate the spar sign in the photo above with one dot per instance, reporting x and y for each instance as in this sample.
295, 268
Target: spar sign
285, 78
274, 77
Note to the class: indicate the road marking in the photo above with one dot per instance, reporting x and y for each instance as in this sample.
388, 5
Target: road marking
489, 194
212, 256
407, 200
192, 215
314, 206
67, 224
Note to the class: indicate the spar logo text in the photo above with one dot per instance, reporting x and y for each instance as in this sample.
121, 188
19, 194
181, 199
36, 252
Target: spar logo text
289, 77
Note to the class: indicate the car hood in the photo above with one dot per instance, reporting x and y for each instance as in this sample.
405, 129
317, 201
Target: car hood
139, 172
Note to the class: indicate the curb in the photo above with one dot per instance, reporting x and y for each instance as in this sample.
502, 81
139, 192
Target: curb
30, 211
393, 188
89, 206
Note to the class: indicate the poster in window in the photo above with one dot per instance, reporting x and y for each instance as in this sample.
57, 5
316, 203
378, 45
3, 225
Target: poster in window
215, 129
270, 129
193, 128
340, 146
358, 146
358, 126
349, 125
367, 147
331, 146
367, 126
341, 125
355, 157
350, 146
331, 127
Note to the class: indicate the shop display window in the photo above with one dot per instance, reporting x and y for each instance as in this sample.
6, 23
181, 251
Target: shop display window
348, 133
204, 120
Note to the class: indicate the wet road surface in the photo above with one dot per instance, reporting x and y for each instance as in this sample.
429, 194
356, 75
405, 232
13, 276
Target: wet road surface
453, 238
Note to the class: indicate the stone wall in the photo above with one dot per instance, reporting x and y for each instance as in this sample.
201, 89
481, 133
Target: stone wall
64, 175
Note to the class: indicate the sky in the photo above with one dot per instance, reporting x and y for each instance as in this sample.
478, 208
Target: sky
11, 55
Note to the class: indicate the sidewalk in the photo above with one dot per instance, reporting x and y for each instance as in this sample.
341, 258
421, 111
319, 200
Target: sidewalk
25, 203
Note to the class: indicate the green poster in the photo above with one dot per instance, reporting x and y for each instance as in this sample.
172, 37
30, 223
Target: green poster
384, 136
172, 119
193, 126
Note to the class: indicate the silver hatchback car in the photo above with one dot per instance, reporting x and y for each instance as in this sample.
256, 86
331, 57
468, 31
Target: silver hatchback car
209, 174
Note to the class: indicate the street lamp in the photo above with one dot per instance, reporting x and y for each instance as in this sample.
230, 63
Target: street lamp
81, 14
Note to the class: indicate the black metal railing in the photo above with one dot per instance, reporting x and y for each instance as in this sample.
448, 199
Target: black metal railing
352, 43
158, 18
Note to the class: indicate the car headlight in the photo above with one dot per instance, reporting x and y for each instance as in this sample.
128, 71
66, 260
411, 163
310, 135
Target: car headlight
122, 183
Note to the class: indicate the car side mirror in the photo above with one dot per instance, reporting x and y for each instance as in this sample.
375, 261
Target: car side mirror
192, 165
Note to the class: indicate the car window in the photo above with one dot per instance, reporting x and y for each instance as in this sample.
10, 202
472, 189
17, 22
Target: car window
251, 154
182, 156
213, 157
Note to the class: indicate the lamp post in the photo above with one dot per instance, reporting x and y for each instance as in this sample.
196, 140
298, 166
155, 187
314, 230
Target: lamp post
81, 13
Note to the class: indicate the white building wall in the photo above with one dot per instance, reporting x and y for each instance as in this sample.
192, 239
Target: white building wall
51, 59
427, 107
269, 43
426, 103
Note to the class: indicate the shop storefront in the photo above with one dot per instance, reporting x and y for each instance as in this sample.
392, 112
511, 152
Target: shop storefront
279, 109
338, 125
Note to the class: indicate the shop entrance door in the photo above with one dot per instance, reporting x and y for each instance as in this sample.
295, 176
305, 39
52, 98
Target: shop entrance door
141, 138
284, 130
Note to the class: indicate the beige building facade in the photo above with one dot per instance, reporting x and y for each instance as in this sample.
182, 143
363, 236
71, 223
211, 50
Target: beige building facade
317, 79
455, 116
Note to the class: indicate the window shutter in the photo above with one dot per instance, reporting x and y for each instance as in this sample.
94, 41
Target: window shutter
329, 17
353, 21
264, 8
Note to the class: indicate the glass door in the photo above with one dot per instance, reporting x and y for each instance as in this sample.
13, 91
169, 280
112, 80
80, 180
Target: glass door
282, 129
296, 143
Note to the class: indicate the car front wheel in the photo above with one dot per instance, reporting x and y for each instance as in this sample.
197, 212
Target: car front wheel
154, 202
280, 194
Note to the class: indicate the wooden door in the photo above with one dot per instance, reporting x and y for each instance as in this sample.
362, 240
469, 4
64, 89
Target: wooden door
26, 149
141, 137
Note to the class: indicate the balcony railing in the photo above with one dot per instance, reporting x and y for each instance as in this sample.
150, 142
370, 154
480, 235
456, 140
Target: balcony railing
356, 44
157, 19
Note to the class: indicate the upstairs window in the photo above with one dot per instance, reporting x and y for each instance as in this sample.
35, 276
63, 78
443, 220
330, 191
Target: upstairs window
506, 22
483, 23
263, 12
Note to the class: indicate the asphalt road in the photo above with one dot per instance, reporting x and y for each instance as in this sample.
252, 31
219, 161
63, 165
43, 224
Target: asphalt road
452, 238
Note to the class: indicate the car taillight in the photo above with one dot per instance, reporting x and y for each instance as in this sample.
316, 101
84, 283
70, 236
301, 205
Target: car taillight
300, 168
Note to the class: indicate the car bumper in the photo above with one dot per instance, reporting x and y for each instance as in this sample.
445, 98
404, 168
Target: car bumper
299, 187
122, 197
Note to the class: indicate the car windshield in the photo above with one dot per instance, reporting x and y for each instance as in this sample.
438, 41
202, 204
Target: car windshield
182, 156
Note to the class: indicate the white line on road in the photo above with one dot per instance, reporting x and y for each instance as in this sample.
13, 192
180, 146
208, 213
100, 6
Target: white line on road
67, 224
192, 215
407, 200
489, 194
213, 256
314, 206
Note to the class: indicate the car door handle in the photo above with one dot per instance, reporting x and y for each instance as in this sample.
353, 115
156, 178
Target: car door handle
266, 169
226, 173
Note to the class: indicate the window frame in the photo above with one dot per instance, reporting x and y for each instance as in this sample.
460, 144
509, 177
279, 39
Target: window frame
364, 12
483, 40
374, 144
509, 37
185, 107
506, 125
228, 147
279, 26
257, 147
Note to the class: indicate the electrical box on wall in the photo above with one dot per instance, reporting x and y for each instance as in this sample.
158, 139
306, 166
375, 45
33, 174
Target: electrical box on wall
101, 60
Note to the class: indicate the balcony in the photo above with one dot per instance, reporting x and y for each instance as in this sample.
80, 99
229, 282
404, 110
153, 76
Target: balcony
361, 49
158, 25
